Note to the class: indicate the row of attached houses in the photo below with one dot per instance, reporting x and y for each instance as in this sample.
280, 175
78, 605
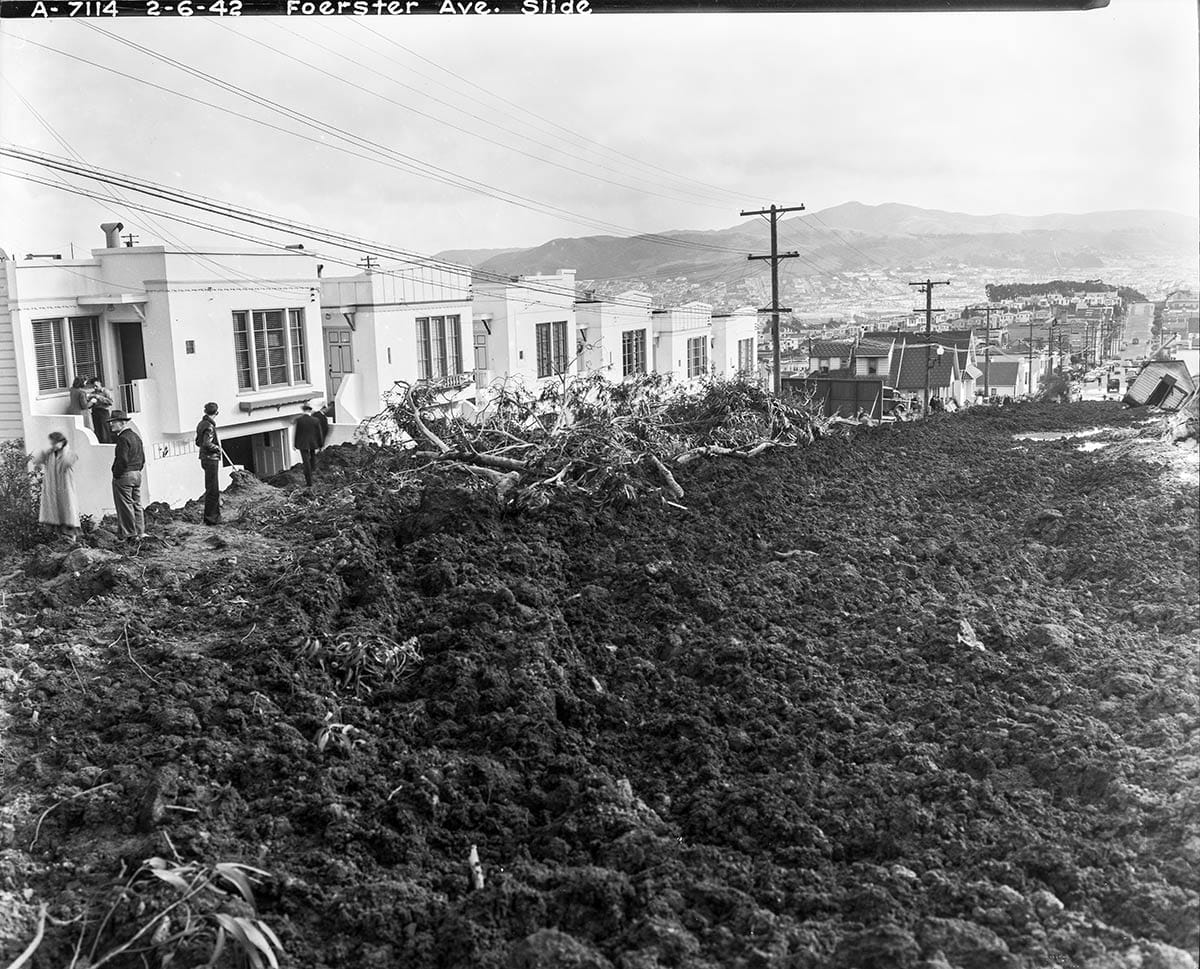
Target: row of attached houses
534, 329
263, 333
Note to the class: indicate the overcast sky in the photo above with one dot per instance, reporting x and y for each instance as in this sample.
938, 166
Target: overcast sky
694, 116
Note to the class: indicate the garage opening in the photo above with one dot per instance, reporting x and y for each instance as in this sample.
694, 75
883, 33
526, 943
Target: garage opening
263, 455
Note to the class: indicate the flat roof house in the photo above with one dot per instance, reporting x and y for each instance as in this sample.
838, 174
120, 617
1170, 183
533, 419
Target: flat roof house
168, 331
735, 343
616, 334
683, 338
407, 322
525, 330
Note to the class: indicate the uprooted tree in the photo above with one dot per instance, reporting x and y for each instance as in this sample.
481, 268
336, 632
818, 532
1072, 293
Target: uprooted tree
616, 442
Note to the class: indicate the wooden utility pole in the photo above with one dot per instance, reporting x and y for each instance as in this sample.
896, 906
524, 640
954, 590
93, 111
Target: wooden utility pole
775, 211
927, 288
987, 351
1029, 372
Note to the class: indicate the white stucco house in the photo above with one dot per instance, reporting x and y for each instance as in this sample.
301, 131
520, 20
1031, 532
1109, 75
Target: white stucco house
616, 335
408, 322
525, 330
735, 343
167, 331
683, 341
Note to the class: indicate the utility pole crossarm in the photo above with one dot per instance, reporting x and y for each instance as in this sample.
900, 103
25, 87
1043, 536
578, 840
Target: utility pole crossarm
782, 255
778, 210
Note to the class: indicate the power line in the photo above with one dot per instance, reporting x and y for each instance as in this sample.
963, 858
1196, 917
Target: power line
474, 134
391, 156
264, 220
112, 193
593, 143
696, 197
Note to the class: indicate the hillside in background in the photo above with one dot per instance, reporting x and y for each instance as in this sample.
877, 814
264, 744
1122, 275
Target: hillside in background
855, 238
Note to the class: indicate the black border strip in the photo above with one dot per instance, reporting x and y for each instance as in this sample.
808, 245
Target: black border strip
101, 10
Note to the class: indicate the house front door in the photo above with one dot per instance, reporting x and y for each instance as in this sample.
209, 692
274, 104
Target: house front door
339, 358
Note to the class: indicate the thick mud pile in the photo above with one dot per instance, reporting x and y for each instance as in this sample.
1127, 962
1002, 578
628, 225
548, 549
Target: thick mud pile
922, 698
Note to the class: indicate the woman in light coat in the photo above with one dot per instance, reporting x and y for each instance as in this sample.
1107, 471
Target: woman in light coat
60, 507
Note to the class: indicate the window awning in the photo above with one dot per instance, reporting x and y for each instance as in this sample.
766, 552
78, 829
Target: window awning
250, 406
132, 301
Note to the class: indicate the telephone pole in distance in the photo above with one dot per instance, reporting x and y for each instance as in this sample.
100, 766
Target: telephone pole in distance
927, 288
775, 211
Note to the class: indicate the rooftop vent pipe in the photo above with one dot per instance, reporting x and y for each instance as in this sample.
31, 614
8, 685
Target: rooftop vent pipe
112, 237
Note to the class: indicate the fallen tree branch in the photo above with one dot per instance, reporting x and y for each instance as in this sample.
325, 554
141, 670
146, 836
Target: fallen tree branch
30, 949
672, 485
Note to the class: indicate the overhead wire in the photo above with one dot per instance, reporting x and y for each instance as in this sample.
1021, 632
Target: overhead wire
112, 193
408, 162
264, 220
586, 140
695, 198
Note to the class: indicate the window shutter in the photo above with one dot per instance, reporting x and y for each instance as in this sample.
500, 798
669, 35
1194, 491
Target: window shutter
48, 351
85, 347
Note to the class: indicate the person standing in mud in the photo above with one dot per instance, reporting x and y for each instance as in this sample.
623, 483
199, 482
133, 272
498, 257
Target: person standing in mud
308, 441
59, 506
210, 461
322, 418
128, 462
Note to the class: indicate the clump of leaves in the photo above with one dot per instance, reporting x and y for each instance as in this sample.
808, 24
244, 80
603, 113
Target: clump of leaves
20, 492
196, 913
338, 735
363, 660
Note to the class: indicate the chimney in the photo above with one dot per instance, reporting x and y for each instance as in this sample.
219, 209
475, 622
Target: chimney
112, 230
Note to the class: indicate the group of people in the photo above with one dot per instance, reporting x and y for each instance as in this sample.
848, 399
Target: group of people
93, 400
310, 433
59, 506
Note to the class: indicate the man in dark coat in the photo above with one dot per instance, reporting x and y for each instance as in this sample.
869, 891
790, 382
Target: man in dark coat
210, 460
128, 461
307, 441
322, 418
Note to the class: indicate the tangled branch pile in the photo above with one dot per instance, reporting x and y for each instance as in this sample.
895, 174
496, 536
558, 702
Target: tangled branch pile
616, 442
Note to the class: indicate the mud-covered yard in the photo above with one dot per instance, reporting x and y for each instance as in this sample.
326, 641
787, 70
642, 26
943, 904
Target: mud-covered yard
922, 697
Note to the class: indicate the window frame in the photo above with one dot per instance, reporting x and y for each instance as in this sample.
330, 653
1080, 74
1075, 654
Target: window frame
697, 363
63, 351
253, 360
747, 361
633, 352
550, 343
439, 346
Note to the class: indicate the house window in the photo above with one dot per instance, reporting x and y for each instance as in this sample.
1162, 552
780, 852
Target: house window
633, 352
697, 356
439, 346
823, 364
296, 338
85, 347
267, 351
64, 353
746, 359
51, 358
551, 348
872, 365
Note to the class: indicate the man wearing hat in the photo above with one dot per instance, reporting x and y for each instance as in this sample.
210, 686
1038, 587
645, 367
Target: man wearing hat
127, 467
210, 460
